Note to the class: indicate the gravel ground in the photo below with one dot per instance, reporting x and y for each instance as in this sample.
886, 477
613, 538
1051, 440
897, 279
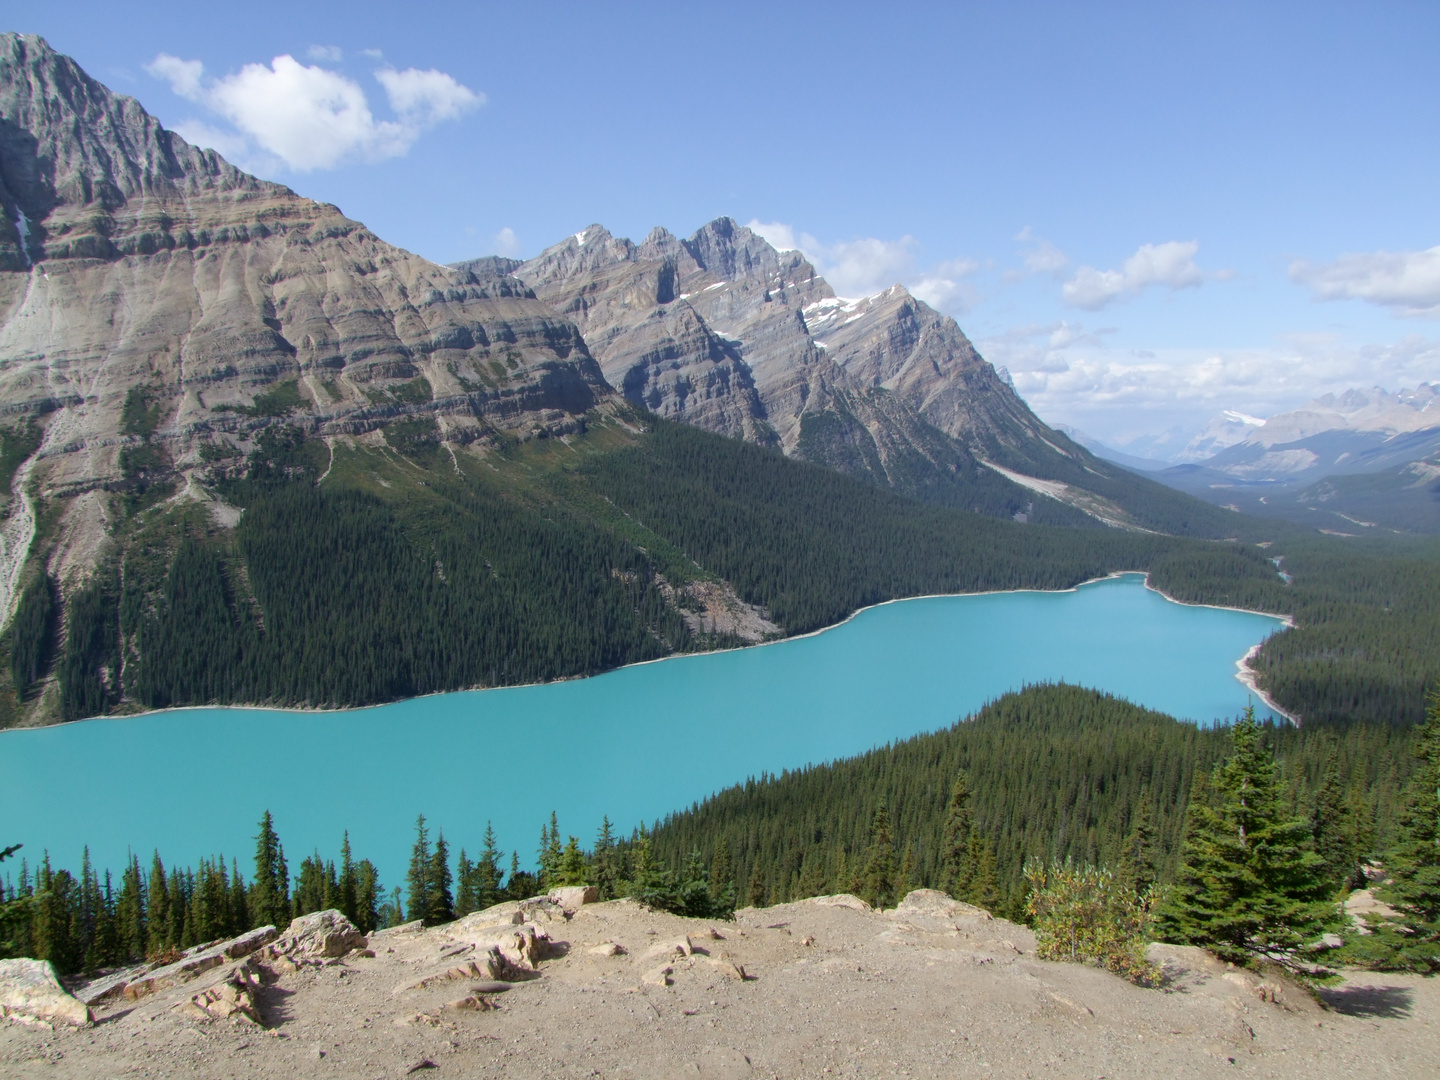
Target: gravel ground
934, 990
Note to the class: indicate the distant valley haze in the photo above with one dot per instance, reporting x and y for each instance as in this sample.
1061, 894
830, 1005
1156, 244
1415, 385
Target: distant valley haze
1148, 217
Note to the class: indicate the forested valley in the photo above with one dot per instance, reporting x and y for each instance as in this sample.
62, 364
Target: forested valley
359, 574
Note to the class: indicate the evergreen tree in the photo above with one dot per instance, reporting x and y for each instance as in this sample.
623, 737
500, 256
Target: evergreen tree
982, 886
441, 907
420, 896
157, 930
607, 863
367, 896
520, 884
1413, 936
755, 892
1137, 857
348, 896
464, 886
1249, 887
722, 872
906, 881
549, 853
239, 902
1331, 827
878, 880
487, 873
955, 840
812, 875
130, 914
571, 868
270, 890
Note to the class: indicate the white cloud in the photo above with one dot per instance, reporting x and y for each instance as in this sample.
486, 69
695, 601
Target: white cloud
1116, 394
1171, 264
869, 265
309, 117
1408, 282
330, 54
183, 75
1041, 257
427, 97
505, 242
227, 144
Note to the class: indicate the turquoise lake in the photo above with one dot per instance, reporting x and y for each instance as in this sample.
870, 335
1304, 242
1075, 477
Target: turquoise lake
634, 743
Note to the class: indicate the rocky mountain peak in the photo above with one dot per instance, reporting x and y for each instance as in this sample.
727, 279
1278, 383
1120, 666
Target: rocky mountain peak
166, 307
72, 153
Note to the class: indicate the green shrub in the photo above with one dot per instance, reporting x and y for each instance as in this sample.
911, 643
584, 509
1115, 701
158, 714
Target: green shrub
1083, 915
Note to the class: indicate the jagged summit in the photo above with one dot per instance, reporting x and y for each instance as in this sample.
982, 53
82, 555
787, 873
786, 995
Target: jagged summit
138, 272
71, 151
722, 330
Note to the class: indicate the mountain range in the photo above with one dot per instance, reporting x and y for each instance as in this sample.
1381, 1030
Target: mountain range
1362, 460
187, 352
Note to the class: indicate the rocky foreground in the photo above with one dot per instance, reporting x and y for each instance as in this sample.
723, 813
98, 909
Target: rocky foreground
556, 987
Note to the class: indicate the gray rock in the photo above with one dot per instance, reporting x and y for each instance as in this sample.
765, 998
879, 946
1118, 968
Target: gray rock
31, 992
317, 936
572, 897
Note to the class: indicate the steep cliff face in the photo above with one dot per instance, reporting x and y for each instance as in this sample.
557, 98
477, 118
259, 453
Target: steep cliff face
723, 331
152, 295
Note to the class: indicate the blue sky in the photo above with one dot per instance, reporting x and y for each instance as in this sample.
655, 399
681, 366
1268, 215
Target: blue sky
1147, 212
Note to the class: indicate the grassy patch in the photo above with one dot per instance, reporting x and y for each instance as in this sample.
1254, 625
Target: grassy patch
415, 392
16, 446
141, 414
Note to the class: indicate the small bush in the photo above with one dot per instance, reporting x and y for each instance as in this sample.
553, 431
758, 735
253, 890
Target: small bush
1083, 915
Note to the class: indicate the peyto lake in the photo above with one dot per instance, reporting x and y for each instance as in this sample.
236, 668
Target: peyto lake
634, 743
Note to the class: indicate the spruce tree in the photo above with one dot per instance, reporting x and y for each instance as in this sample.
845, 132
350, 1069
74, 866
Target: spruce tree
1331, 827
239, 902
349, 888
487, 873
955, 840
755, 893
906, 881
1136, 871
722, 876
571, 868
159, 911
549, 853
270, 891
130, 922
464, 885
367, 896
417, 880
1249, 886
1412, 937
878, 880
441, 908
607, 863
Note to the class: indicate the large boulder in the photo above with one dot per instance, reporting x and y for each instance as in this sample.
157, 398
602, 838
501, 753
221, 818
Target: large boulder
934, 904
232, 996
844, 899
320, 935
30, 992
572, 897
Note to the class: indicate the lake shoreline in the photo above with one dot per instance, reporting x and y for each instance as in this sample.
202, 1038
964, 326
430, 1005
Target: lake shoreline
1248, 676
1244, 675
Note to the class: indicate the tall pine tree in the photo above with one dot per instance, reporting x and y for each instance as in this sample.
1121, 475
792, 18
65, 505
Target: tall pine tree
1413, 936
1249, 885
270, 891
955, 840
